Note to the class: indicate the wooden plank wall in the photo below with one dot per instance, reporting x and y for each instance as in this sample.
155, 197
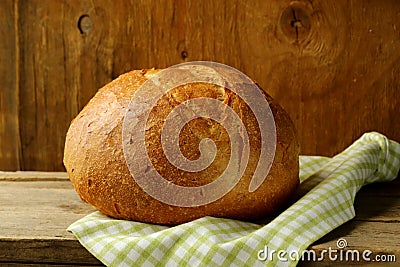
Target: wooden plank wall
10, 146
332, 64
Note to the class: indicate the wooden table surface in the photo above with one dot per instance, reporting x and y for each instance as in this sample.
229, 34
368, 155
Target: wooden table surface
36, 208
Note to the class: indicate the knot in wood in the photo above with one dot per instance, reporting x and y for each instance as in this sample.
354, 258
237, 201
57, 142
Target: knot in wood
295, 23
84, 24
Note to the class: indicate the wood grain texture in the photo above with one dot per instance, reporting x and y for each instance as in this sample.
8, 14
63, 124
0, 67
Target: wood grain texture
361, 236
35, 176
376, 227
9, 128
333, 65
44, 84
36, 212
337, 81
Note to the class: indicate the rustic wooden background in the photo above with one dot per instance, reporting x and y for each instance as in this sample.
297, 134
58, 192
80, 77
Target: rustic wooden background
333, 65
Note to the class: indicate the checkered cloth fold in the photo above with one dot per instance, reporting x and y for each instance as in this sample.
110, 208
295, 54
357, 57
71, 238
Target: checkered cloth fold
331, 185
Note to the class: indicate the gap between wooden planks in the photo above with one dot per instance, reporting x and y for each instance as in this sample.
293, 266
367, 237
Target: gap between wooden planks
37, 207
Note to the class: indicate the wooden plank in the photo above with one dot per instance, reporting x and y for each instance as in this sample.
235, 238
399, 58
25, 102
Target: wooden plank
381, 238
379, 202
35, 214
43, 93
24, 176
39, 209
52, 251
337, 77
34, 217
9, 128
61, 69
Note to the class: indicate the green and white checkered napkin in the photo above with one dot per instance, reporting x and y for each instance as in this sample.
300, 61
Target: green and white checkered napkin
213, 241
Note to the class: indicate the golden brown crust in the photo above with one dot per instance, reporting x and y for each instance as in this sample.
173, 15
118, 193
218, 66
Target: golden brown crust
96, 166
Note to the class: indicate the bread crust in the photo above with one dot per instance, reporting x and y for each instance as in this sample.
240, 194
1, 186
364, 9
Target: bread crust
95, 162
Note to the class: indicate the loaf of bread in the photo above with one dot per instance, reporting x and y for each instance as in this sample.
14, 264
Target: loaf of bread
94, 155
